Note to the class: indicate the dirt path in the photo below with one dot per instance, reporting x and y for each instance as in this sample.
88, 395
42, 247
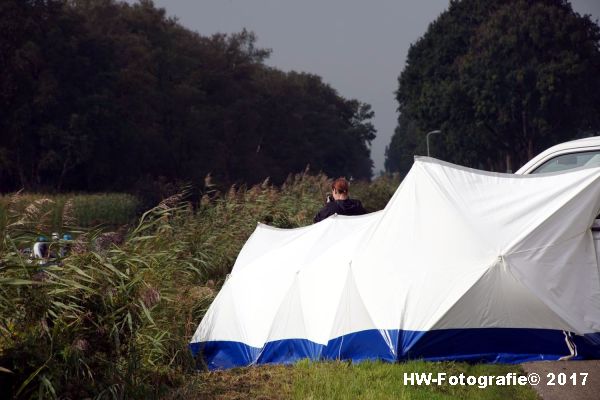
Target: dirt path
573, 371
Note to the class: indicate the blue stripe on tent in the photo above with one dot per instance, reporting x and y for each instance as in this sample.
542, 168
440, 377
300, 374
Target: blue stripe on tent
289, 351
364, 345
588, 346
225, 354
495, 345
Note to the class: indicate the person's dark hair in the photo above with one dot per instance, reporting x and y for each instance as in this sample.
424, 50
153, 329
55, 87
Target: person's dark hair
340, 185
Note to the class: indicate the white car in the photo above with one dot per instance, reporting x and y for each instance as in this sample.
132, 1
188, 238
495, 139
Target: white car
568, 155
564, 156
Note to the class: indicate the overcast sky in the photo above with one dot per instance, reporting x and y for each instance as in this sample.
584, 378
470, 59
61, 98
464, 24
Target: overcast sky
358, 47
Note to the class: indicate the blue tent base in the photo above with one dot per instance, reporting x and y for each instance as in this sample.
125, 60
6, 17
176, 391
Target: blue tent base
490, 345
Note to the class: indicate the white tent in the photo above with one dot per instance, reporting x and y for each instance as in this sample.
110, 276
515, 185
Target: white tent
460, 265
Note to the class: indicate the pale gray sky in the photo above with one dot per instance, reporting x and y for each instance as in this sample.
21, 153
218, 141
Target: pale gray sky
359, 47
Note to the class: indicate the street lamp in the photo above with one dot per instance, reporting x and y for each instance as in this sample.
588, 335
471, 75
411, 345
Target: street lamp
427, 137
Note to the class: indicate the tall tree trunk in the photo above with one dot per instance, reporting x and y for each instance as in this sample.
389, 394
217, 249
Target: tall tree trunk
63, 173
527, 139
21, 171
508, 163
22, 177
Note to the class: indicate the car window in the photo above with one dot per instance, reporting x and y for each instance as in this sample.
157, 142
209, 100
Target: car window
569, 161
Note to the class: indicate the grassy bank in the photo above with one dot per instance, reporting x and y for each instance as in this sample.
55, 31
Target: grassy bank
341, 380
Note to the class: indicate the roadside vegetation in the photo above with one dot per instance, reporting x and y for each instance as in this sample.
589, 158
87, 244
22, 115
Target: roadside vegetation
113, 318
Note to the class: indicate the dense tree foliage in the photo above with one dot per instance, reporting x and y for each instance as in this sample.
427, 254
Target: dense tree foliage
103, 95
502, 80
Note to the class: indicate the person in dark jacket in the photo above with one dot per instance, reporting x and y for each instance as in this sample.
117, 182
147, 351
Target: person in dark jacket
339, 202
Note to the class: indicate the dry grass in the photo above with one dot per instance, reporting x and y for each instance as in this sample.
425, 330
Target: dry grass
270, 382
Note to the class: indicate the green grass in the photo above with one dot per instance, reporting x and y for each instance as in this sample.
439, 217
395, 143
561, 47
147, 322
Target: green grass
104, 208
80, 210
377, 380
343, 380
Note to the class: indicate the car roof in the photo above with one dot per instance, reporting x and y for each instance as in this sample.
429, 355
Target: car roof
589, 143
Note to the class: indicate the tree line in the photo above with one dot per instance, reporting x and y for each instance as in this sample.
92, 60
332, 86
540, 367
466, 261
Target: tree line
105, 95
501, 80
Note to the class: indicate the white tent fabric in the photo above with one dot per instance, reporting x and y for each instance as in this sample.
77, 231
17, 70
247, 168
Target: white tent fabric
461, 264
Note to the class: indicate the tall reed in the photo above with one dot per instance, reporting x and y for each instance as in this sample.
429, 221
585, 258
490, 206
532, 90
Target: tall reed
112, 319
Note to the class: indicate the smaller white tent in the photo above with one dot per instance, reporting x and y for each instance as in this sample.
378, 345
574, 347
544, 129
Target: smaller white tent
460, 265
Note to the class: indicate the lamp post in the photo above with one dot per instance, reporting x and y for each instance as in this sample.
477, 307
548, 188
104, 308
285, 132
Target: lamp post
427, 137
